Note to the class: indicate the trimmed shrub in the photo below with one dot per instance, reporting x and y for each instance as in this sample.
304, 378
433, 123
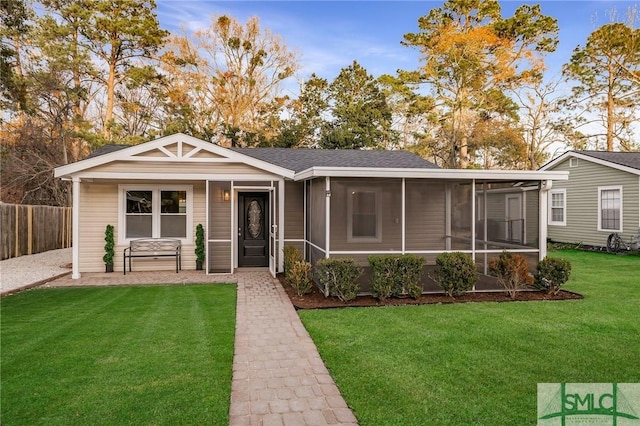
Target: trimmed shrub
383, 276
551, 274
109, 251
396, 275
455, 272
410, 272
512, 271
338, 277
199, 250
300, 277
291, 256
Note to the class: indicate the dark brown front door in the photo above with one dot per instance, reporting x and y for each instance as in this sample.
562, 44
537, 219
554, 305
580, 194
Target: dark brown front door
253, 229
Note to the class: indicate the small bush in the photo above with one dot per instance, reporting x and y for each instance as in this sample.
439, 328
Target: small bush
109, 251
396, 275
199, 250
551, 274
512, 271
410, 272
338, 277
383, 276
291, 256
300, 277
455, 272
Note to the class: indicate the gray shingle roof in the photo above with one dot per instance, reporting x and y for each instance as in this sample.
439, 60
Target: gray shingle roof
629, 159
106, 149
301, 159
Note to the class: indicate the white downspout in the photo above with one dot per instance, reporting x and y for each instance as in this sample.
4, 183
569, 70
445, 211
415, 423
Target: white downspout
327, 214
404, 216
545, 187
75, 271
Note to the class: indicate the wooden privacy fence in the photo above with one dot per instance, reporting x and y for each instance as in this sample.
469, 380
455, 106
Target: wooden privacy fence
33, 229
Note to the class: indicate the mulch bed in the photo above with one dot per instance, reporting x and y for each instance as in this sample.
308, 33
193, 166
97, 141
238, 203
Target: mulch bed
316, 300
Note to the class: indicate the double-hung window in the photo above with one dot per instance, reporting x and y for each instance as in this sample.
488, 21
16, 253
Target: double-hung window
150, 211
364, 216
557, 207
610, 208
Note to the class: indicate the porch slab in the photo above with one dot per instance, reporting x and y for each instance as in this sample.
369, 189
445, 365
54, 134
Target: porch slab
95, 279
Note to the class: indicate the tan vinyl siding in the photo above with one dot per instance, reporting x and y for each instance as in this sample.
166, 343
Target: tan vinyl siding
293, 210
219, 257
99, 207
582, 202
532, 217
169, 167
388, 196
219, 212
425, 215
317, 209
204, 154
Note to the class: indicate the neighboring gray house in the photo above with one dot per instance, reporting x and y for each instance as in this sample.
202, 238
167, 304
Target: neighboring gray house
602, 196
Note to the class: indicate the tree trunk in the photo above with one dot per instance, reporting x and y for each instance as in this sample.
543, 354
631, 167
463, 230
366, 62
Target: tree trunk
464, 153
22, 116
77, 111
111, 82
610, 108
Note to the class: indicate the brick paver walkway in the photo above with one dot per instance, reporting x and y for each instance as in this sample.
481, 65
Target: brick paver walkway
278, 375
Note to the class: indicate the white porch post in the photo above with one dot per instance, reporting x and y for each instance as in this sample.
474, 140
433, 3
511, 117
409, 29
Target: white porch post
280, 225
404, 216
545, 186
473, 219
327, 214
75, 191
447, 218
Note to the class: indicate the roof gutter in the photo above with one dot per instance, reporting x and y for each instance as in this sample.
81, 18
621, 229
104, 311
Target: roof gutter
488, 175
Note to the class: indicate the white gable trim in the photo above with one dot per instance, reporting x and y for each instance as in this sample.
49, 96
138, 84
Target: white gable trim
571, 154
129, 154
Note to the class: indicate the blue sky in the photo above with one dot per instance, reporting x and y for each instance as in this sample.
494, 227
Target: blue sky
329, 35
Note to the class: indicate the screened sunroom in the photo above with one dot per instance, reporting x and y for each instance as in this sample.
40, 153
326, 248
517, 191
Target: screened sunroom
475, 212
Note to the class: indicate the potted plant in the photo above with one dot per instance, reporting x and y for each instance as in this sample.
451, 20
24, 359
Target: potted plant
199, 247
108, 249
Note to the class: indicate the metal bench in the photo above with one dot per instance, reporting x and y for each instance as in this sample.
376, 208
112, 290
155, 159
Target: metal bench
155, 248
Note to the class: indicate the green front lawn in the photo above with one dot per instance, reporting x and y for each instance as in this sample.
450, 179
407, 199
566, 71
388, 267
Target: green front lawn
479, 363
126, 355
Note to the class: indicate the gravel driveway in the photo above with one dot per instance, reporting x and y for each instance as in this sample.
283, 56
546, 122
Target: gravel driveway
23, 271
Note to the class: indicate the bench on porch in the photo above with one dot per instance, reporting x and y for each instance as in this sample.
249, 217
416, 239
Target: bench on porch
154, 248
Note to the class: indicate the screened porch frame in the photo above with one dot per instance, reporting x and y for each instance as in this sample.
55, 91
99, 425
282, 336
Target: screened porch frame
543, 186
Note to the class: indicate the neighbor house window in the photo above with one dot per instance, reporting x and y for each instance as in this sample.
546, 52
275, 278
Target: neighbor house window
573, 162
558, 207
155, 212
363, 215
610, 208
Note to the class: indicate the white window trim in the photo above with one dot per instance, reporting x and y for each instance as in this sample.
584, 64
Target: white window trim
573, 162
350, 237
550, 207
155, 188
609, 188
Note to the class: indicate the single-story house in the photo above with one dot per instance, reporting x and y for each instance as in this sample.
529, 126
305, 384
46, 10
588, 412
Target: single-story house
602, 196
327, 203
